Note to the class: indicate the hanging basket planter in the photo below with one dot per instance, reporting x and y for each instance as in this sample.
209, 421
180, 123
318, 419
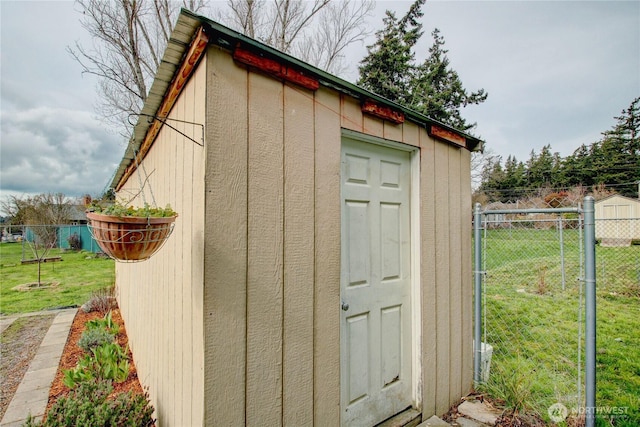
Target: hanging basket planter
130, 238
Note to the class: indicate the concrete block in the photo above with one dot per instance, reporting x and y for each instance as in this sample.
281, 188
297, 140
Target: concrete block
434, 421
466, 422
479, 411
43, 362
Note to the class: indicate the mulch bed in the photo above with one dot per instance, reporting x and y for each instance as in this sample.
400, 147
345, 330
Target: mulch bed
72, 353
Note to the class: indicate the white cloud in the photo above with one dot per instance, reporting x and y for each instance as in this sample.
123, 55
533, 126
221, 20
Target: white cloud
56, 150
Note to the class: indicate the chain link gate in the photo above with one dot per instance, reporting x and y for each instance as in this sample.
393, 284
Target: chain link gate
532, 307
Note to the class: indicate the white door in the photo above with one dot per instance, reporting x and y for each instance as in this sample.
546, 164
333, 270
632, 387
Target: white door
375, 325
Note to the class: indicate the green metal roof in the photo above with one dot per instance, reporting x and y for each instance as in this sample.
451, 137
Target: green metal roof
184, 31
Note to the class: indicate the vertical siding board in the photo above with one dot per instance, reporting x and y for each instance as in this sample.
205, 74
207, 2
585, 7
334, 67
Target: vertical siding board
225, 245
265, 238
455, 276
466, 279
196, 161
167, 164
171, 309
178, 256
327, 259
298, 257
373, 125
411, 133
166, 395
350, 113
427, 271
183, 275
394, 132
443, 326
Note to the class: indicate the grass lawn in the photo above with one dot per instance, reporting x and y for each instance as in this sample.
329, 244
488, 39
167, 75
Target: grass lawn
75, 278
532, 324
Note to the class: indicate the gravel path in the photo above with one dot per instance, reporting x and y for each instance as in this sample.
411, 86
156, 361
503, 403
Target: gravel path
18, 344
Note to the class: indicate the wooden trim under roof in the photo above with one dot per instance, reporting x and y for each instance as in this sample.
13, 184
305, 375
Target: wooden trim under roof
191, 59
274, 68
384, 112
447, 135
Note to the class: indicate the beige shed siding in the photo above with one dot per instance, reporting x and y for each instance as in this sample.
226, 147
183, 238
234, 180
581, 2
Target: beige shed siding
428, 264
225, 261
299, 219
615, 218
272, 263
455, 276
265, 252
161, 299
250, 279
326, 325
442, 244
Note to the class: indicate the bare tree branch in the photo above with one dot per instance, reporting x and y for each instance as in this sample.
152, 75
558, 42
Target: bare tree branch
317, 32
130, 37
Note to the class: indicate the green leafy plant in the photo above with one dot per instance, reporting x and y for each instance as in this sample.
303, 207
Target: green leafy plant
92, 338
106, 323
81, 374
120, 210
90, 405
109, 361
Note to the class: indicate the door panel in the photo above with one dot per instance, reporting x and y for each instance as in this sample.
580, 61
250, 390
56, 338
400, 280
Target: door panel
375, 331
357, 223
358, 337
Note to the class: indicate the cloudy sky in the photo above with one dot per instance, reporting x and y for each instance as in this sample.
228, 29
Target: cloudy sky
557, 72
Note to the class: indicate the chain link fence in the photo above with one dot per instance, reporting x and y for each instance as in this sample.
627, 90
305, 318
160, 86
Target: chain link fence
533, 309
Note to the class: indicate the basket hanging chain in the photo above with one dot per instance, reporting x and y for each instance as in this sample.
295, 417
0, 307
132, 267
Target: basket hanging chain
138, 166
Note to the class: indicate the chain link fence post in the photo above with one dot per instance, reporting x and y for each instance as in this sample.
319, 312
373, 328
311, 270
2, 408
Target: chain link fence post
477, 356
590, 329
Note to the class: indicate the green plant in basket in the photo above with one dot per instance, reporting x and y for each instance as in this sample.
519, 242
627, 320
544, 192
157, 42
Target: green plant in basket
121, 210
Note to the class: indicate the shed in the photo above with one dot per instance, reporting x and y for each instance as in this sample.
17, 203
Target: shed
617, 220
319, 272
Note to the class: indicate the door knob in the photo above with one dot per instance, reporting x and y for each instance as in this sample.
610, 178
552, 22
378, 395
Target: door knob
345, 306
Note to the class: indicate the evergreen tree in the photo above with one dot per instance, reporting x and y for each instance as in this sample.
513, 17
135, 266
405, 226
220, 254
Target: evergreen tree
493, 178
613, 161
388, 67
437, 90
515, 176
578, 168
619, 160
432, 87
